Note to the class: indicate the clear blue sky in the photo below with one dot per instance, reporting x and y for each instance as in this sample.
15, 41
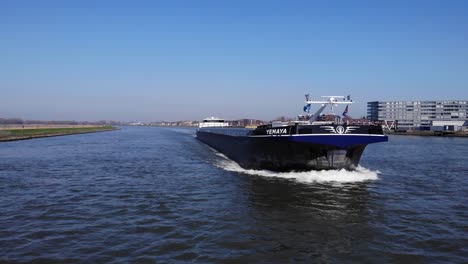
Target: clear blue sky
175, 60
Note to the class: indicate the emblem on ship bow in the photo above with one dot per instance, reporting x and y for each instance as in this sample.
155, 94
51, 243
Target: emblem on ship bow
339, 129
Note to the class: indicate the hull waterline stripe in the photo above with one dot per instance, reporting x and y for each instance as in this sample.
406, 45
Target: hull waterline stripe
309, 135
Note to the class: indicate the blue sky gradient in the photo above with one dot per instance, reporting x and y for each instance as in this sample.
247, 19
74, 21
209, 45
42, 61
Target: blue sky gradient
177, 60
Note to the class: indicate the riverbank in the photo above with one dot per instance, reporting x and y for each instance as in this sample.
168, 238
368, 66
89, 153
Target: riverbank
428, 133
20, 133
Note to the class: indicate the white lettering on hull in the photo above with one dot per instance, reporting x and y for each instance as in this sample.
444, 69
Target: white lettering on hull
277, 131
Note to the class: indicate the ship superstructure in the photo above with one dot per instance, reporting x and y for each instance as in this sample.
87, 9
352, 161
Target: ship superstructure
213, 122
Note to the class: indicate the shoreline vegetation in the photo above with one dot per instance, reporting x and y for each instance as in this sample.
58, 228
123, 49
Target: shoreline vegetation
13, 133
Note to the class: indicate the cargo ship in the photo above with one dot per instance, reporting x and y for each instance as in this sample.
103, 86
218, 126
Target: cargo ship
312, 142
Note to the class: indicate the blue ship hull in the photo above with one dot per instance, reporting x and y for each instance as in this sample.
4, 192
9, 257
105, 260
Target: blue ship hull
293, 148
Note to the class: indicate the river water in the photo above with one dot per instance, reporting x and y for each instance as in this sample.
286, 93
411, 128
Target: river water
147, 194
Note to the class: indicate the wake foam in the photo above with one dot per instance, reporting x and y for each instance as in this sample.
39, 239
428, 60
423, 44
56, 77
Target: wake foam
341, 176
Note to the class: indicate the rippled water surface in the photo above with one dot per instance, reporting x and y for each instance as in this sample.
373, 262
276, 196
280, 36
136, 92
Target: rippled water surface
159, 195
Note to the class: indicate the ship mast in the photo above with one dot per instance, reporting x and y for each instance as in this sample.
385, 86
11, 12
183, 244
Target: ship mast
330, 100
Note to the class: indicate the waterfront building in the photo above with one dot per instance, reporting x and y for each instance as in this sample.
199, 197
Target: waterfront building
419, 115
245, 122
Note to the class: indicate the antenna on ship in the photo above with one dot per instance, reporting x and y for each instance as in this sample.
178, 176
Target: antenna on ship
330, 100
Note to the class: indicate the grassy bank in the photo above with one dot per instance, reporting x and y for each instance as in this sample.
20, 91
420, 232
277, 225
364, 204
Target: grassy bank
20, 133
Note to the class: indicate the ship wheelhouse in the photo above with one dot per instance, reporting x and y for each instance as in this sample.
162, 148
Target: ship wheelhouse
213, 122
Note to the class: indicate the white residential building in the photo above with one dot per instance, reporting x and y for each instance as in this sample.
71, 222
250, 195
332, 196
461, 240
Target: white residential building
418, 115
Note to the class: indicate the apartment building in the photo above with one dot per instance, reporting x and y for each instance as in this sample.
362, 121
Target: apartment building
418, 115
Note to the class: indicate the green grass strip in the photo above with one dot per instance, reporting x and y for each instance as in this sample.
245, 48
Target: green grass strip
50, 131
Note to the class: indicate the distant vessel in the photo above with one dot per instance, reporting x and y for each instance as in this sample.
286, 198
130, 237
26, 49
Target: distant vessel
310, 143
